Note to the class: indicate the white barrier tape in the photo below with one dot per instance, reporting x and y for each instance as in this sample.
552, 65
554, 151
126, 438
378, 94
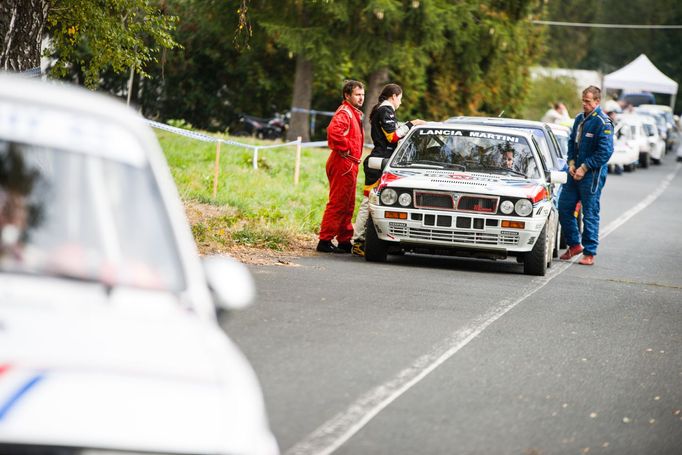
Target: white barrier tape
312, 111
261, 147
206, 138
181, 132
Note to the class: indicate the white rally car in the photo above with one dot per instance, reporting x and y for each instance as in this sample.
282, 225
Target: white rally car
109, 336
449, 189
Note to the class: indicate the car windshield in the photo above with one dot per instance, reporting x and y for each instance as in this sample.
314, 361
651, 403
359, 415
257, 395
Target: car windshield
85, 217
472, 151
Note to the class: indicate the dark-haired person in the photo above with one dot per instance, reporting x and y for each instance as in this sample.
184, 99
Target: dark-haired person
345, 138
589, 148
386, 132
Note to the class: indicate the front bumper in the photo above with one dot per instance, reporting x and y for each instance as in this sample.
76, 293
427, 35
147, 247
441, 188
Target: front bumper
455, 230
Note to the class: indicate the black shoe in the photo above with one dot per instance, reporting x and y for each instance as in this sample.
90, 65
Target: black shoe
345, 247
326, 246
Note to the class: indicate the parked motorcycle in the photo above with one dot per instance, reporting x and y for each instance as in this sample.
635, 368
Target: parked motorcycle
264, 128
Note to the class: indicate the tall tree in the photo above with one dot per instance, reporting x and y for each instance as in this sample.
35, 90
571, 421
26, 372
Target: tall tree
391, 40
22, 25
305, 28
212, 79
119, 34
484, 70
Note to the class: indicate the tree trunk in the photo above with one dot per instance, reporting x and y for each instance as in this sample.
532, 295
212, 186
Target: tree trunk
21, 33
303, 94
376, 82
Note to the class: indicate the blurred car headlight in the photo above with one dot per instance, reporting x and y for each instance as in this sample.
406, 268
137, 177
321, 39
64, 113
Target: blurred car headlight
507, 207
523, 207
405, 199
389, 196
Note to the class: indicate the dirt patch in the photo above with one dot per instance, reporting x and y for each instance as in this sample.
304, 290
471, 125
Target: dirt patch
300, 246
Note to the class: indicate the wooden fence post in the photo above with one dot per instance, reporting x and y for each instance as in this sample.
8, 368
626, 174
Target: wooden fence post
216, 170
297, 167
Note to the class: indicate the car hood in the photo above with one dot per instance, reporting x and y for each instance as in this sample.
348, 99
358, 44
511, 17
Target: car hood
464, 182
84, 366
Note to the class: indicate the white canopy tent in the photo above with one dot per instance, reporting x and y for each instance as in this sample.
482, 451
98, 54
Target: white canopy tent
641, 75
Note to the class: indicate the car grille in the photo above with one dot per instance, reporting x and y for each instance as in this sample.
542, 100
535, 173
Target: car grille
478, 204
467, 237
433, 200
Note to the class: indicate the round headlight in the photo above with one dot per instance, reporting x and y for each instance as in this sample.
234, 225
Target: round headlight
523, 207
389, 196
507, 207
405, 199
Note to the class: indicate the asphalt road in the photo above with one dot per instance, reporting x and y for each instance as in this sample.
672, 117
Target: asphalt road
455, 356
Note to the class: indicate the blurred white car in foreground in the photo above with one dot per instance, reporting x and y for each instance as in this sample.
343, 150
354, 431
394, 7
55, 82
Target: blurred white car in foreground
109, 340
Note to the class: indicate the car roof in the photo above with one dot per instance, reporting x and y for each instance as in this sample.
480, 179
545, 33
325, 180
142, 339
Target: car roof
67, 117
657, 107
478, 127
498, 121
560, 129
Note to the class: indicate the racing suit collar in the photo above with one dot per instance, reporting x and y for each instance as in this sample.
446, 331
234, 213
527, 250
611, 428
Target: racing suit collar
357, 111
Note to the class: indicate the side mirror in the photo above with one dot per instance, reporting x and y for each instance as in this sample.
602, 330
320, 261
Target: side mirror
230, 282
558, 177
377, 163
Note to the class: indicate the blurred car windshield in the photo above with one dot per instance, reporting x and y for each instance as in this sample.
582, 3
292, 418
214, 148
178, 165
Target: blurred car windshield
471, 151
76, 215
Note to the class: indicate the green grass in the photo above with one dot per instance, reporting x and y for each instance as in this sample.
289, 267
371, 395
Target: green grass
257, 207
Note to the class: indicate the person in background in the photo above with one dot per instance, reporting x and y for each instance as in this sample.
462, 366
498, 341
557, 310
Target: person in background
556, 114
589, 148
386, 132
345, 138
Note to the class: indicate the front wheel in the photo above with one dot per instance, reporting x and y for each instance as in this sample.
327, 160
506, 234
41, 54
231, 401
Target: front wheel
535, 261
376, 250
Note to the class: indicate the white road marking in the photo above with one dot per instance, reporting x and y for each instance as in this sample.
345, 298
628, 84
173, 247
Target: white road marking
335, 432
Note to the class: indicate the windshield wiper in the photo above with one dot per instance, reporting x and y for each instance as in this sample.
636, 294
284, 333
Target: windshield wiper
440, 164
505, 169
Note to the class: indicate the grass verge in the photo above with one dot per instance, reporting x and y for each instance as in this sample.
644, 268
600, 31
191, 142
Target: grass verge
254, 208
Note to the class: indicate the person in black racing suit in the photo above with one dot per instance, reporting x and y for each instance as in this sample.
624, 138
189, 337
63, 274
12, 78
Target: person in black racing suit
386, 132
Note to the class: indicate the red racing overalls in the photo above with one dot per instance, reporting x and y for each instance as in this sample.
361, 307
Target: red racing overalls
345, 137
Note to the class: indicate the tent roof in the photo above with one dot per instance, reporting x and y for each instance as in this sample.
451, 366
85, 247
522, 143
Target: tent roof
640, 75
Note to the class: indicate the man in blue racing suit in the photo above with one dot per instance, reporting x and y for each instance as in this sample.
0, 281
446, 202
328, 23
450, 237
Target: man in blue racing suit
589, 149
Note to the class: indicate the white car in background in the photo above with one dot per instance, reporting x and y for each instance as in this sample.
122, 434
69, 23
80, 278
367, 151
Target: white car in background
626, 146
656, 142
109, 338
633, 128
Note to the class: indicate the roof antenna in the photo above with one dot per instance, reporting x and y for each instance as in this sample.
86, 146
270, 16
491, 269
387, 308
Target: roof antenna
500, 114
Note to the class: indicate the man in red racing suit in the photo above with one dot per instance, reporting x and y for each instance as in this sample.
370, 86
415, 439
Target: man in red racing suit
345, 137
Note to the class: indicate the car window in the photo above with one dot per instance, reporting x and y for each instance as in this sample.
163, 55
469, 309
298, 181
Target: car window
467, 151
68, 214
563, 144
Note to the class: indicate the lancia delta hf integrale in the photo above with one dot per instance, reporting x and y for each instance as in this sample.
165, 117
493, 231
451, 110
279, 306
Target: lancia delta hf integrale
466, 190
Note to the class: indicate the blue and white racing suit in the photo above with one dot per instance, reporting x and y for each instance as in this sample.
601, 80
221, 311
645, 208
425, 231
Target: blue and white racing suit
590, 146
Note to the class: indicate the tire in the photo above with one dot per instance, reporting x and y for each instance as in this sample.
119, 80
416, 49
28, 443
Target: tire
558, 239
629, 168
376, 250
643, 160
535, 261
655, 161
